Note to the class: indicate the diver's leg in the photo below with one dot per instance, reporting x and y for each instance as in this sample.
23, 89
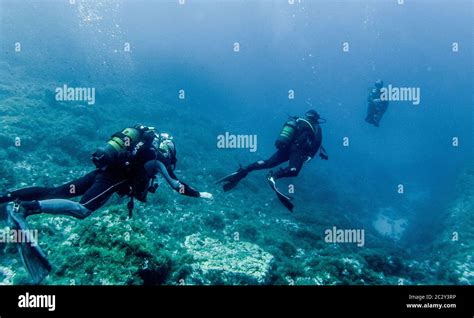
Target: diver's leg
233, 179
276, 159
64, 207
32, 256
367, 118
380, 111
296, 163
377, 117
68, 190
370, 113
54, 206
100, 192
94, 198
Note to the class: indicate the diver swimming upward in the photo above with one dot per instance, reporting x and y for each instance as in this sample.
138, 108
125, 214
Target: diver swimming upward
128, 165
298, 142
376, 107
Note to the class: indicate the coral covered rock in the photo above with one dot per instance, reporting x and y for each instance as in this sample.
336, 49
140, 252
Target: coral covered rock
227, 263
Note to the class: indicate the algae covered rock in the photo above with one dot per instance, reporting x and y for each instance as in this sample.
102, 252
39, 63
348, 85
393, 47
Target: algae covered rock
454, 245
104, 249
6, 276
233, 262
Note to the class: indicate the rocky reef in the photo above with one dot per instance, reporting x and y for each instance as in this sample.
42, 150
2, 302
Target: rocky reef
178, 240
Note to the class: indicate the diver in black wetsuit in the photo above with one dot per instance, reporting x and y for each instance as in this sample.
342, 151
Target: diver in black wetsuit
298, 142
127, 165
376, 106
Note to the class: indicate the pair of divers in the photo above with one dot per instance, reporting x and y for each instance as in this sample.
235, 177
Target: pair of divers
127, 165
299, 141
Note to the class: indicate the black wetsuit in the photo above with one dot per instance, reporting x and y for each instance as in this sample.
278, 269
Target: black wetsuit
97, 186
305, 143
376, 107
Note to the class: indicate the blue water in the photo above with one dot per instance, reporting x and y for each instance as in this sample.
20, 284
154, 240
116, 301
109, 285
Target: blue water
282, 47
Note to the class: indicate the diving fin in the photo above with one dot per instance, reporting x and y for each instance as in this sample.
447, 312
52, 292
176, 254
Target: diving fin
284, 199
232, 179
229, 186
6, 197
31, 254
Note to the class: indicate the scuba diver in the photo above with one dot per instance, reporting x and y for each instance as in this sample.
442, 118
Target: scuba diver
298, 142
127, 165
376, 107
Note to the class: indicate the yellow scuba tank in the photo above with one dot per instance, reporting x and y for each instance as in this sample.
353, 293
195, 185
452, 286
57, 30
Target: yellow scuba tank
124, 139
286, 134
119, 144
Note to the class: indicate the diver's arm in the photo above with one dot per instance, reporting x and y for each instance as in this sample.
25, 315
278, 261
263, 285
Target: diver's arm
175, 184
154, 167
180, 186
322, 153
188, 190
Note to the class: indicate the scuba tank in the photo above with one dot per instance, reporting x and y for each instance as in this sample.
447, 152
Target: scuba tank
299, 131
118, 147
286, 134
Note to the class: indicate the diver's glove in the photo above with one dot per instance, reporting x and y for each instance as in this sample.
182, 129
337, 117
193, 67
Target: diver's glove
323, 154
206, 195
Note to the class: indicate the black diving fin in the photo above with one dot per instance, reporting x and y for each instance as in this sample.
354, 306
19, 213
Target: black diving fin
284, 199
31, 254
232, 179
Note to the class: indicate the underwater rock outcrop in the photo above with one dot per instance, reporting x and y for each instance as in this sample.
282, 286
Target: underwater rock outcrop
234, 262
454, 246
